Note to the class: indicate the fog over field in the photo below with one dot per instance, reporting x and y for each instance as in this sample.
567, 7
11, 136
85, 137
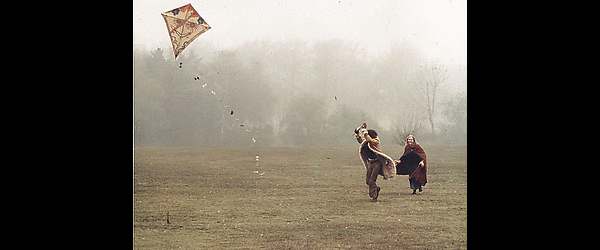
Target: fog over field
287, 73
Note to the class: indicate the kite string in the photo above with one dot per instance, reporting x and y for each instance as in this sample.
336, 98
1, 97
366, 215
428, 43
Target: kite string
231, 113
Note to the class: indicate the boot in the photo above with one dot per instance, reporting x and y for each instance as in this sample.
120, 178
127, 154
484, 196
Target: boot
374, 199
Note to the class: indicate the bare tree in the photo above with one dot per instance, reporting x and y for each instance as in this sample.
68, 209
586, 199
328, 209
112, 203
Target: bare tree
426, 82
407, 126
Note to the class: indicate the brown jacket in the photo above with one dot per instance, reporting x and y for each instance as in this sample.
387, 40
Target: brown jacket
373, 142
371, 148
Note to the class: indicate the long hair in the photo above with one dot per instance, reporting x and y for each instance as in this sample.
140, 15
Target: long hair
413, 137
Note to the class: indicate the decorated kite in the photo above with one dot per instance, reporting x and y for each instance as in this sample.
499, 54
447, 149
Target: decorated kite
184, 25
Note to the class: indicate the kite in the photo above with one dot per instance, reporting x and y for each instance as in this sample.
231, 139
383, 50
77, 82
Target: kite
184, 25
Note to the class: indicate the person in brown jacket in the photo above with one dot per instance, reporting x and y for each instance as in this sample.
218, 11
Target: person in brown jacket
375, 161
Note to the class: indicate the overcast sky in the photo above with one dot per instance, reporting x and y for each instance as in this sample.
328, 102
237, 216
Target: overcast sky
436, 27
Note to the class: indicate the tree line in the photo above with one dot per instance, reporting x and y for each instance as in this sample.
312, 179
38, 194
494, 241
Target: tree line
291, 94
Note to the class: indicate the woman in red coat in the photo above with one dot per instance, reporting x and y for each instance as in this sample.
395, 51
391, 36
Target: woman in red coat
413, 163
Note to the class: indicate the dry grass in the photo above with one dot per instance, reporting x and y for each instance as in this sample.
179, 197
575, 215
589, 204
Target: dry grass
307, 198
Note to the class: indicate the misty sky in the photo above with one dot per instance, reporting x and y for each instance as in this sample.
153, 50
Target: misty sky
436, 27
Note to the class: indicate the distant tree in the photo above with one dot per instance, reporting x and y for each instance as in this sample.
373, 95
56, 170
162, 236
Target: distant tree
304, 122
426, 83
455, 110
410, 125
395, 91
341, 123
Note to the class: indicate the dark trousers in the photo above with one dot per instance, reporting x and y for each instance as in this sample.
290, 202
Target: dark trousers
373, 169
414, 185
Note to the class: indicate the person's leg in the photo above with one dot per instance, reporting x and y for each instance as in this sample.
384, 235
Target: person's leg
373, 188
414, 185
369, 171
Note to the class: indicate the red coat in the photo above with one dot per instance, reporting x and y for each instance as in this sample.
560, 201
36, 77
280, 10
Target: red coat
410, 164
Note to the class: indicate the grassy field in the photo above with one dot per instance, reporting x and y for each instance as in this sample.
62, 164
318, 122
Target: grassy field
301, 198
